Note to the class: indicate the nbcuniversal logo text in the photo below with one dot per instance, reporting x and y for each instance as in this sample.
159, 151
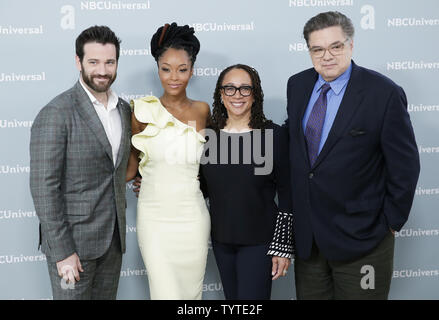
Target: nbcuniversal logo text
320, 3
218, 27
298, 47
412, 65
19, 77
17, 169
9, 259
16, 214
207, 72
424, 149
409, 233
15, 124
115, 5
412, 22
422, 108
410, 273
134, 52
68, 18
12, 30
212, 287
426, 191
128, 272
131, 229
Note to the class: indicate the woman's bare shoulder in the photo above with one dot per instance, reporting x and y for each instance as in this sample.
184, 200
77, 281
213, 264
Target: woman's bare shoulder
201, 107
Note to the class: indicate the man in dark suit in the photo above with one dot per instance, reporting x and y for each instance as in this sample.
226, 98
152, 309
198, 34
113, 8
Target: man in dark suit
354, 168
79, 150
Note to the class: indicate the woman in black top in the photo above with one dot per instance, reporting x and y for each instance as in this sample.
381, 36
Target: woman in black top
244, 165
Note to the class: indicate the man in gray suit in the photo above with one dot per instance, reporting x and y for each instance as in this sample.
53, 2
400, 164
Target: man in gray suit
79, 150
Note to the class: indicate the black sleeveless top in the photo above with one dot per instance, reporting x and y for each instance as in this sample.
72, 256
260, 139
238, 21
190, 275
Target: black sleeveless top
241, 173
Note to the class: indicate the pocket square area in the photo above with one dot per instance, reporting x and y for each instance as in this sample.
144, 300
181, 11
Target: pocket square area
357, 132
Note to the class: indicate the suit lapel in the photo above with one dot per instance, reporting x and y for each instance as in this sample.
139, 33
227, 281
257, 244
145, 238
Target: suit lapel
124, 139
351, 100
88, 113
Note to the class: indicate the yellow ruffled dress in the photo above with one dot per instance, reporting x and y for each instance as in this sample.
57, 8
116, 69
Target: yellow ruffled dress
173, 222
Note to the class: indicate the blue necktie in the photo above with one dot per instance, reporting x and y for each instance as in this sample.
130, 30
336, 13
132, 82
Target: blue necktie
314, 126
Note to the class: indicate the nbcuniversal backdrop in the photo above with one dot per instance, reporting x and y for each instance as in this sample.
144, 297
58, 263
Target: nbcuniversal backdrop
396, 37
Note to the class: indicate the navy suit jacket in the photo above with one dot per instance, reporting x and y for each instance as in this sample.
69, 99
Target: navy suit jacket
364, 179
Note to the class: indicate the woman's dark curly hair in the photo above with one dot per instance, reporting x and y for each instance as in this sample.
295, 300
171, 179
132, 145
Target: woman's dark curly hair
177, 37
257, 117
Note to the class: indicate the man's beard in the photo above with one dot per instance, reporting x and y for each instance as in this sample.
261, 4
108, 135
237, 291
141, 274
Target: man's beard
88, 80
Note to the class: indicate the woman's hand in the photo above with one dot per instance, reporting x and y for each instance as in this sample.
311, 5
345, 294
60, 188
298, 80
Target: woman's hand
280, 267
137, 182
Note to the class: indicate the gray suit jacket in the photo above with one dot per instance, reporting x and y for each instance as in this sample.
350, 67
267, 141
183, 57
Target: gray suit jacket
78, 193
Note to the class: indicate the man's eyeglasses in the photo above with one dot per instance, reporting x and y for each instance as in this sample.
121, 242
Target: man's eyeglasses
245, 91
335, 49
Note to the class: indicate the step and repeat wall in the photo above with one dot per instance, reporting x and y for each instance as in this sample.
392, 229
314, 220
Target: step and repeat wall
396, 37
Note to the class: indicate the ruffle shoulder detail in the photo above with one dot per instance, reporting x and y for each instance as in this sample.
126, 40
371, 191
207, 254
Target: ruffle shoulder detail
150, 110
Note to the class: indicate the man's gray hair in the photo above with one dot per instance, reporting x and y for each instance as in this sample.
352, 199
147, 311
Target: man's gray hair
328, 19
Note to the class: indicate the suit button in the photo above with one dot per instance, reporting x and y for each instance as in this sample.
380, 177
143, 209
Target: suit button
311, 175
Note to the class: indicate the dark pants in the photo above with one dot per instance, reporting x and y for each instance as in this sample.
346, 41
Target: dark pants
245, 271
100, 278
367, 277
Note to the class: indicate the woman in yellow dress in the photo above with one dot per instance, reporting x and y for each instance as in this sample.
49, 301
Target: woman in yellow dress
173, 223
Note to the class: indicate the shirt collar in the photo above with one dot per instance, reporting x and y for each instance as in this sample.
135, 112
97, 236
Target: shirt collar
338, 84
112, 97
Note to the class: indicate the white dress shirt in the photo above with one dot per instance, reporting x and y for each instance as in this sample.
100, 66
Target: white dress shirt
110, 119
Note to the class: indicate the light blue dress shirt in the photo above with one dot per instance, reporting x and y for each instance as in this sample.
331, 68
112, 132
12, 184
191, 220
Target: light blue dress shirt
334, 97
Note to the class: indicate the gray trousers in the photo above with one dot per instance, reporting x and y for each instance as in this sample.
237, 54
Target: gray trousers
364, 278
100, 278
